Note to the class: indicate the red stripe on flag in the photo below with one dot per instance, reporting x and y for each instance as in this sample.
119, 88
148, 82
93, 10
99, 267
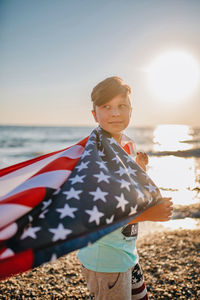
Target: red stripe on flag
30, 197
62, 163
2, 248
18, 263
83, 142
26, 163
138, 290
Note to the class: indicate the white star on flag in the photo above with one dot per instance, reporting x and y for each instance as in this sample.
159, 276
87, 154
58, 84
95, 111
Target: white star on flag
95, 215
128, 158
116, 153
150, 187
140, 194
90, 143
46, 204
30, 218
82, 166
117, 159
132, 171
60, 233
101, 153
125, 184
102, 177
111, 141
93, 135
99, 195
57, 191
72, 193
133, 182
102, 165
30, 232
85, 153
66, 211
121, 171
42, 215
77, 178
109, 221
134, 280
133, 210
121, 202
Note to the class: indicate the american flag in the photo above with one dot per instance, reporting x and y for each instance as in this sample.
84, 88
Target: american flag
62, 201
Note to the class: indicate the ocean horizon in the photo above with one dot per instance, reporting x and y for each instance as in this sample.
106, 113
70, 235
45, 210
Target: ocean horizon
21, 142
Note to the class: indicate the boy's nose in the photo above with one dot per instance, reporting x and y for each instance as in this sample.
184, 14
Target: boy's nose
115, 112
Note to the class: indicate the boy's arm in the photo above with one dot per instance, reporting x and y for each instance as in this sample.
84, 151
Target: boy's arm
158, 213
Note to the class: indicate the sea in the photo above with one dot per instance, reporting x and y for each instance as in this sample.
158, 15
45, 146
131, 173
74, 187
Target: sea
173, 151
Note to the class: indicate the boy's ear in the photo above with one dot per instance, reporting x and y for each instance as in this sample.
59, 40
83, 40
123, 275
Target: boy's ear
94, 115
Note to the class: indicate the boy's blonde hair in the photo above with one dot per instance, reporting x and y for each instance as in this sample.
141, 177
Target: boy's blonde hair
109, 88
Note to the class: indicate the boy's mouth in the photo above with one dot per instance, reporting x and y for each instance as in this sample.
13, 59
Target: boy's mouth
115, 122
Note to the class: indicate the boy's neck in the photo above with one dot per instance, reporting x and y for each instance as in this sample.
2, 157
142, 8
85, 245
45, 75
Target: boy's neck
117, 137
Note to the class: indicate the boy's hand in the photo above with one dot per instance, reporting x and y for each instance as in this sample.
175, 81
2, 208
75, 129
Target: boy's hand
158, 213
142, 160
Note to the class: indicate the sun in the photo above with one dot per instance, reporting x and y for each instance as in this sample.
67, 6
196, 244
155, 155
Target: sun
173, 76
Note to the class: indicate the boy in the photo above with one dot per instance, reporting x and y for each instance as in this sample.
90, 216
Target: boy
111, 265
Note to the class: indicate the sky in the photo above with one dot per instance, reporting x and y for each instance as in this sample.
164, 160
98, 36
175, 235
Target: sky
52, 54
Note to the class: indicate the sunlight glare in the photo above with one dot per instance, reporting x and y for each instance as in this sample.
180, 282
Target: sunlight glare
175, 176
173, 76
169, 137
187, 223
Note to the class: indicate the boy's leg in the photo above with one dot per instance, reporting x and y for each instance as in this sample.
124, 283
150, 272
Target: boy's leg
139, 291
109, 286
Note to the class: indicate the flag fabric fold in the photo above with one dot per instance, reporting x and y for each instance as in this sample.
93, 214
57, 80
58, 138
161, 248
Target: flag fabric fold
60, 202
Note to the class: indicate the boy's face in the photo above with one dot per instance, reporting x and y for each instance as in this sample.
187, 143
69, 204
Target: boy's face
114, 115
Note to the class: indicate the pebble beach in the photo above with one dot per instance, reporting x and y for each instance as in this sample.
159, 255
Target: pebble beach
170, 262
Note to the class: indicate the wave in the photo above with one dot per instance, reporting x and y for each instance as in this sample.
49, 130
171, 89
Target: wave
197, 141
180, 153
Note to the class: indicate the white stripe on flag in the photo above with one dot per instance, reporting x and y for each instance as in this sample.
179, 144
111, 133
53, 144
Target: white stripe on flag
11, 212
8, 232
7, 253
52, 179
73, 152
10, 181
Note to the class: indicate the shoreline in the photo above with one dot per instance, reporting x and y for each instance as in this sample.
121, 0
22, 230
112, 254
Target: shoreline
170, 261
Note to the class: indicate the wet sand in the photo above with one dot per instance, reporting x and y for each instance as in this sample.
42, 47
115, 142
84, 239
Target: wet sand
170, 261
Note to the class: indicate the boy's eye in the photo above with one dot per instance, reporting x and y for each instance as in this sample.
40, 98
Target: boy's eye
123, 105
106, 106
